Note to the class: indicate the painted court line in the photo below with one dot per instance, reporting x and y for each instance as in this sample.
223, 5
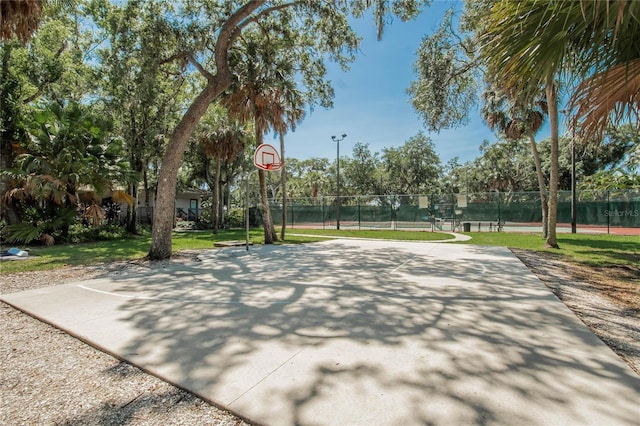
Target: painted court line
169, 299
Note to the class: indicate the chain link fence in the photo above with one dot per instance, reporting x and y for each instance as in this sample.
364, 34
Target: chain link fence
602, 211
487, 211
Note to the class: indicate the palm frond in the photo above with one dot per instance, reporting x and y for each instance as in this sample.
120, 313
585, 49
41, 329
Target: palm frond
13, 174
513, 130
72, 197
94, 214
15, 194
120, 196
22, 232
523, 42
19, 18
87, 197
513, 116
606, 97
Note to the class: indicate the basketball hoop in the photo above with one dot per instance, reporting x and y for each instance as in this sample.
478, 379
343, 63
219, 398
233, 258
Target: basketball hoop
267, 158
273, 166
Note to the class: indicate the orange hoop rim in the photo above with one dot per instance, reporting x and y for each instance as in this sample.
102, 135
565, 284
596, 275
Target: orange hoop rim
273, 166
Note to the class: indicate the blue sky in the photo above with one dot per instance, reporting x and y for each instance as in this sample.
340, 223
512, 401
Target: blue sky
371, 104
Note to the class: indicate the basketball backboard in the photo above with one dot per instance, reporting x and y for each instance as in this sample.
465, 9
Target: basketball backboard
266, 157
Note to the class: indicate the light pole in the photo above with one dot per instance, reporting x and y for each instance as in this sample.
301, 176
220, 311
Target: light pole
337, 141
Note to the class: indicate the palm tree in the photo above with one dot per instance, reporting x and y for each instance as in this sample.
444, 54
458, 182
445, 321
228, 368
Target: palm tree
266, 106
70, 161
524, 42
267, 96
523, 52
21, 18
223, 144
292, 113
527, 45
515, 121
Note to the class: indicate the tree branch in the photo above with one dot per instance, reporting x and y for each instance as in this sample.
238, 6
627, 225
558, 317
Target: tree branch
227, 36
468, 66
200, 68
461, 42
46, 81
181, 55
258, 16
230, 31
188, 57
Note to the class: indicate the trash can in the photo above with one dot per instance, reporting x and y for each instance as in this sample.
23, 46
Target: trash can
466, 226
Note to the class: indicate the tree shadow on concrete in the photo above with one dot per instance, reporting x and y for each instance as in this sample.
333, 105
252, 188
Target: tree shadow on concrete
395, 334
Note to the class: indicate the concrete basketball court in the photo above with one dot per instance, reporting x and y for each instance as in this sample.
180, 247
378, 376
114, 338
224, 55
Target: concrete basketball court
352, 332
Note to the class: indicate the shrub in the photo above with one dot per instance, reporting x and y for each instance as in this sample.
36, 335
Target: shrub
84, 234
236, 218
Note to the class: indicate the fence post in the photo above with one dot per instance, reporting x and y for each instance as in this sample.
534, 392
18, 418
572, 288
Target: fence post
453, 212
608, 212
393, 218
499, 212
323, 213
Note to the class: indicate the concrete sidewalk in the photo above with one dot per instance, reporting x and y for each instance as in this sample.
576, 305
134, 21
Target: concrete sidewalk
355, 332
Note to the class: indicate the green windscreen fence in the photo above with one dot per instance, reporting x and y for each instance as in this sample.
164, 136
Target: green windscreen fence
606, 208
614, 208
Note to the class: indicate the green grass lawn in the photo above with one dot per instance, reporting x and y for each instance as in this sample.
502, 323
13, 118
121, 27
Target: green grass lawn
590, 249
128, 249
375, 234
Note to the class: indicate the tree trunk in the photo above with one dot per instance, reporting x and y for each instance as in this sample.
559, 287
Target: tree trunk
283, 183
541, 185
267, 223
8, 212
148, 218
227, 199
221, 207
210, 180
166, 193
552, 101
221, 202
216, 198
139, 166
132, 220
216, 84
